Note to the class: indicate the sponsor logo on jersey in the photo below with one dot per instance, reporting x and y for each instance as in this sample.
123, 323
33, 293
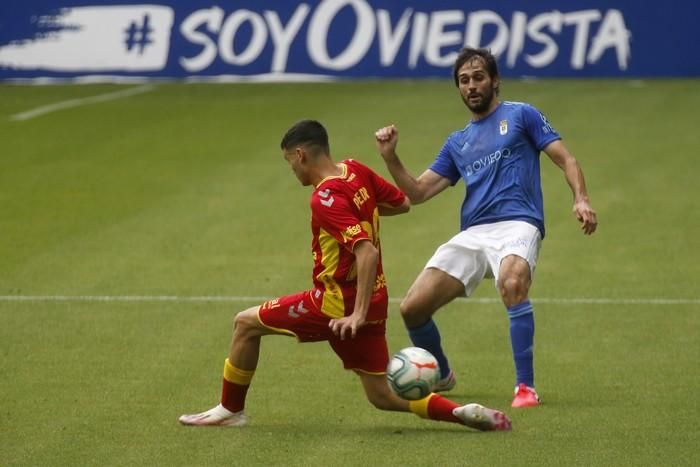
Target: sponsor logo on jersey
351, 231
488, 160
325, 200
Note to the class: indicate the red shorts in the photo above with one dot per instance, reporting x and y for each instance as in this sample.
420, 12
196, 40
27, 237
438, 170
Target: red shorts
298, 315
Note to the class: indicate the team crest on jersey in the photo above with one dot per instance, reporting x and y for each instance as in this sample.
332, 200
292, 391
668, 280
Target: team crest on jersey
503, 127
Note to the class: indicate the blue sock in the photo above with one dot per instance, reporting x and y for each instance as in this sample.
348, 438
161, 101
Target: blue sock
427, 337
522, 335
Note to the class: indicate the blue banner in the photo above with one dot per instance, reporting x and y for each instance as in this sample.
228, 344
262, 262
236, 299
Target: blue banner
326, 39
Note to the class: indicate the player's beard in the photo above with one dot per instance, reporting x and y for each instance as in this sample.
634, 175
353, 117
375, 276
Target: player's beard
481, 105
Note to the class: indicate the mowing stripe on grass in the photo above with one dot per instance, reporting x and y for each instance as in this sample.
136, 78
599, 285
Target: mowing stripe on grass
237, 299
45, 109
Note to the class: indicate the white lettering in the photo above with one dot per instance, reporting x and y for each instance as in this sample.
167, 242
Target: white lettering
475, 26
430, 38
439, 38
228, 35
553, 21
582, 20
487, 160
317, 39
212, 17
282, 37
418, 38
518, 26
612, 33
389, 44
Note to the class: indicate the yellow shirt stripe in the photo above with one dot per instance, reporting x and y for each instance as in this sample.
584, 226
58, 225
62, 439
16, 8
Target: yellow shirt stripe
332, 303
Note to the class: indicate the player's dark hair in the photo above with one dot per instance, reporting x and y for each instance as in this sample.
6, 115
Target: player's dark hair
308, 133
484, 55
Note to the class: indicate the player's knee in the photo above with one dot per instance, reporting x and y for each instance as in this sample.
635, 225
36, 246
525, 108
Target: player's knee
244, 322
405, 308
513, 288
411, 313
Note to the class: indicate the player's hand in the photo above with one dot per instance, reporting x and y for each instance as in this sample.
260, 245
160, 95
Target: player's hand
586, 216
346, 326
387, 138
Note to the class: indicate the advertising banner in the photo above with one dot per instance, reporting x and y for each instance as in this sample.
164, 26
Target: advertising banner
326, 39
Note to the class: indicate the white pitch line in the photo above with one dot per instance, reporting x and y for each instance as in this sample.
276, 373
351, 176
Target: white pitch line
45, 109
238, 299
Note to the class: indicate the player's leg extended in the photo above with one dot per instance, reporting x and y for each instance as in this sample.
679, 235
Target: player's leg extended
514, 284
239, 369
433, 407
242, 360
431, 290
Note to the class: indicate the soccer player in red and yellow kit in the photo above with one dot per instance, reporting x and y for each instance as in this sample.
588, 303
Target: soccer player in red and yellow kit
348, 303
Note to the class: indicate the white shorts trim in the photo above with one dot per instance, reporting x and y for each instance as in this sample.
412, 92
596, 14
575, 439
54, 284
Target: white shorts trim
477, 252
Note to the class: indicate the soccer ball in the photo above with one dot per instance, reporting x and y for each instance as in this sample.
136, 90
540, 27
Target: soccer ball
413, 372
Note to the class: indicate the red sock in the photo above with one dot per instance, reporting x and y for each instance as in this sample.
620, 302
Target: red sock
440, 408
235, 387
233, 396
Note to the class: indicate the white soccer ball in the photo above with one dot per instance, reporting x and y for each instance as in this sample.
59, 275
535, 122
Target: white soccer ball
413, 372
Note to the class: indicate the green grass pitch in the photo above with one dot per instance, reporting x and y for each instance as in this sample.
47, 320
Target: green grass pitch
183, 192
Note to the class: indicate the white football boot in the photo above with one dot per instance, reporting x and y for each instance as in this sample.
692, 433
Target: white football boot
218, 416
482, 418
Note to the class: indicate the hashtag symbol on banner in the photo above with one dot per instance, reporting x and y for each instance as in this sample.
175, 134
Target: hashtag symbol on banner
138, 36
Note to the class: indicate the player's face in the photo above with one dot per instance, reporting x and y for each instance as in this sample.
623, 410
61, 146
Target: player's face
294, 158
476, 87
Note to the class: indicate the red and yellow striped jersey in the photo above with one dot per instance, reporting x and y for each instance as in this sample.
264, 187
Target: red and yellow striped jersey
343, 212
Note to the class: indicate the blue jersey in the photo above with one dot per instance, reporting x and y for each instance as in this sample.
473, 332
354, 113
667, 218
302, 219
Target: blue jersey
498, 157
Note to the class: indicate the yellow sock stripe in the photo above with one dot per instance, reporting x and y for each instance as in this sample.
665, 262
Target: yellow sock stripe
236, 375
420, 407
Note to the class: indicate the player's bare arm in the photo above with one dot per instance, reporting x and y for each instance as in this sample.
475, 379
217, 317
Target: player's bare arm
389, 210
418, 190
366, 259
560, 155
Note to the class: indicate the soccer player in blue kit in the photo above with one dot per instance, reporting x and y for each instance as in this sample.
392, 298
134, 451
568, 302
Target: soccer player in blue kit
502, 216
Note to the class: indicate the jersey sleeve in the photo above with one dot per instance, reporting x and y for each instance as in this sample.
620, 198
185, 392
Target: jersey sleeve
538, 127
444, 165
386, 192
334, 213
